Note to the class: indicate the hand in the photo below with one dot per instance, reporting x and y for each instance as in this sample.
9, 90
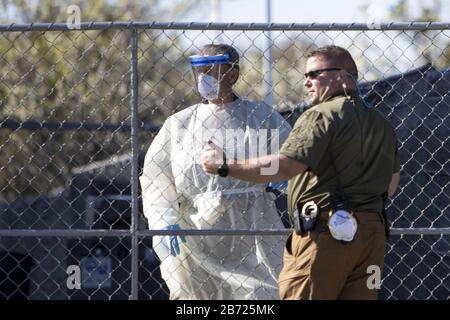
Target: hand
211, 158
173, 241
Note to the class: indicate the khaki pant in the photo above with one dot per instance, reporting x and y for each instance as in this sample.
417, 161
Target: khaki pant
317, 266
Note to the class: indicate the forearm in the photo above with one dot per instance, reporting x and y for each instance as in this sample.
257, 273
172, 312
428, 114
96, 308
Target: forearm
261, 170
393, 184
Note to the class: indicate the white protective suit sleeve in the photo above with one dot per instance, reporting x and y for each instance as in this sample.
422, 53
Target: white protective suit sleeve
159, 196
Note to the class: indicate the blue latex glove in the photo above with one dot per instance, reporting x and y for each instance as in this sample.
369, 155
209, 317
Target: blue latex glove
278, 185
174, 246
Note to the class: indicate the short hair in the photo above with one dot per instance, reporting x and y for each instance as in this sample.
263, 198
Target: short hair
214, 49
338, 56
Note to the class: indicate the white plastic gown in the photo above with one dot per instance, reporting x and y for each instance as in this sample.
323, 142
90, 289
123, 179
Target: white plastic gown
175, 189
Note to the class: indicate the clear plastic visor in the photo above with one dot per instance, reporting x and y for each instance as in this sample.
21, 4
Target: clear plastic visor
204, 66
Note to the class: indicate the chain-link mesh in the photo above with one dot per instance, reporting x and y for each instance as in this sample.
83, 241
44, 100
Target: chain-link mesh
68, 166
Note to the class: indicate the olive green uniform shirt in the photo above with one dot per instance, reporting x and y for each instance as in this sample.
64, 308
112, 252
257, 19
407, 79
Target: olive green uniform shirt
362, 144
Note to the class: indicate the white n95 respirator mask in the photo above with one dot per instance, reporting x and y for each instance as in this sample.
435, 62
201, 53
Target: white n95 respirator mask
342, 225
208, 87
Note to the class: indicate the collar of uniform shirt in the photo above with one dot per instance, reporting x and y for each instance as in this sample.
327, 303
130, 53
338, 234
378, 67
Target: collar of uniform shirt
341, 93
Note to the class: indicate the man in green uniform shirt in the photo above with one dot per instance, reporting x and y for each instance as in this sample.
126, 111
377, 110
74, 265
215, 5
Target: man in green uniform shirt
339, 151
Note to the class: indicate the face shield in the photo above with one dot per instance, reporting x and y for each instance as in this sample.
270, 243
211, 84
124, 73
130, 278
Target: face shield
208, 71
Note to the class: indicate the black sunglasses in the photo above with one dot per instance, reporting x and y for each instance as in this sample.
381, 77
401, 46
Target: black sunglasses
313, 74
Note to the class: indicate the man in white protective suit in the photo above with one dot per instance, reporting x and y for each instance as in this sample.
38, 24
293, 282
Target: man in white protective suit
177, 194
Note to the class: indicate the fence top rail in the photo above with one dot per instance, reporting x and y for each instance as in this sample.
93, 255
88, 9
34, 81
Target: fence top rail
418, 26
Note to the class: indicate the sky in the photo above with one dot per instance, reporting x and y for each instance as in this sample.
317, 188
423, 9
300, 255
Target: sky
302, 11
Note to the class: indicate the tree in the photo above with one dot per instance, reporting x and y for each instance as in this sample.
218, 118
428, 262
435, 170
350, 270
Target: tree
433, 45
81, 77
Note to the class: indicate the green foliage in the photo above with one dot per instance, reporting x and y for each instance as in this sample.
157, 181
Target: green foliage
436, 52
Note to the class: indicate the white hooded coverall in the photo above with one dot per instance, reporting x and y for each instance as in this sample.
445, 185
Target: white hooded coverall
175, 190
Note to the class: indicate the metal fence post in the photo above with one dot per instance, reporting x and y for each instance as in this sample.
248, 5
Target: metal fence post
134, 168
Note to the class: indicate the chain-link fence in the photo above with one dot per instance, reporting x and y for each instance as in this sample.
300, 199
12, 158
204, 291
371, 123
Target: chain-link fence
79, 109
